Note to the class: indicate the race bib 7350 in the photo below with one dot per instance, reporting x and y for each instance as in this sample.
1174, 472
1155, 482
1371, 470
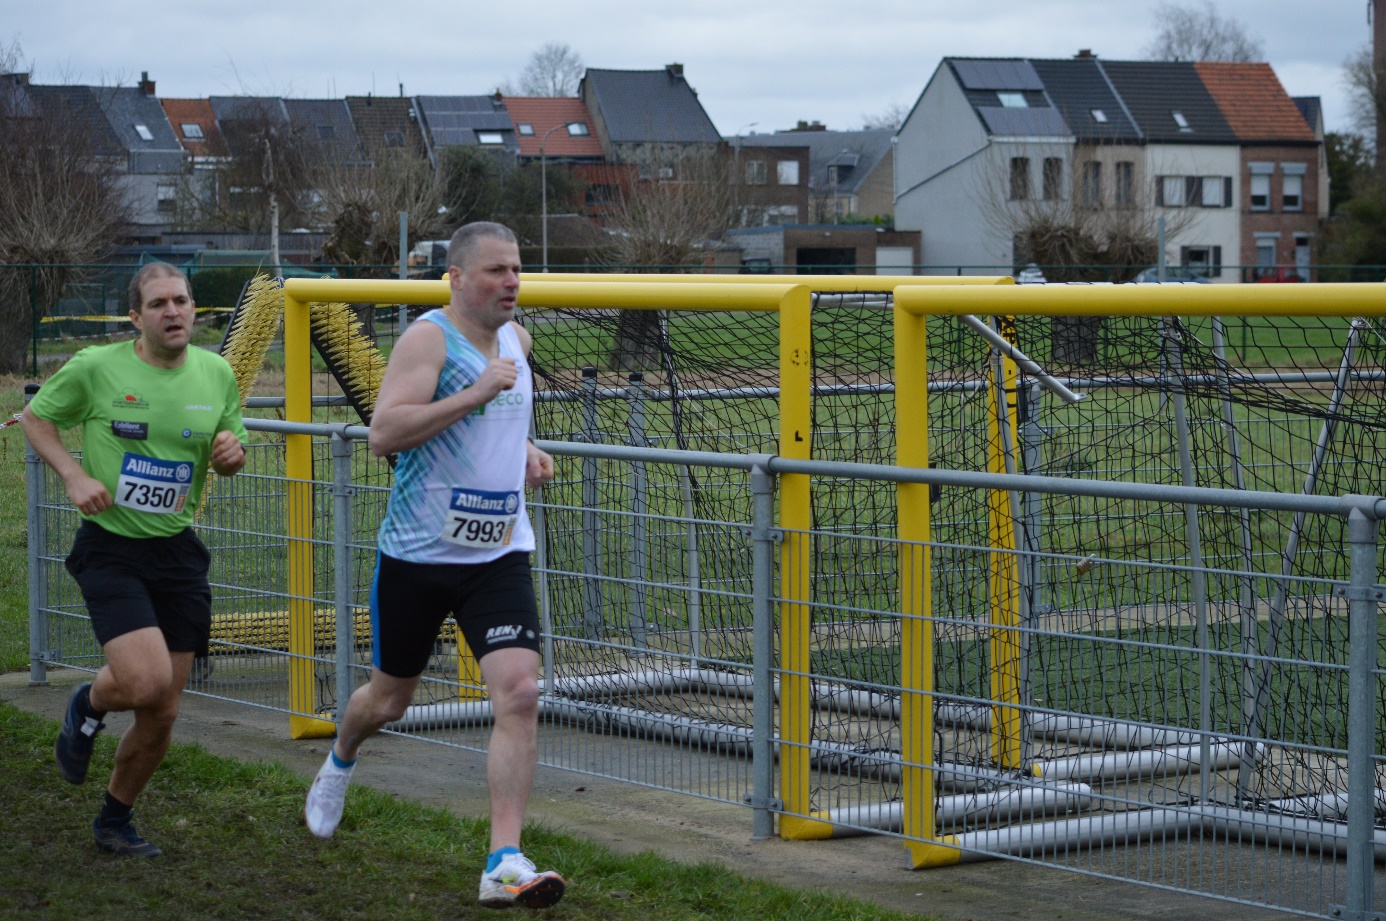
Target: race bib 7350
148, 484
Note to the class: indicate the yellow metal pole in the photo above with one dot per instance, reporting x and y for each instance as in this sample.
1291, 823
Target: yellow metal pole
1312, 300
1002, 562
298, 450
796, 372
923, 848
837, 284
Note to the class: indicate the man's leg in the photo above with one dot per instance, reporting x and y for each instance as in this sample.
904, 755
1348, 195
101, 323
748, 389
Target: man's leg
143, 676
381, 700
511, 677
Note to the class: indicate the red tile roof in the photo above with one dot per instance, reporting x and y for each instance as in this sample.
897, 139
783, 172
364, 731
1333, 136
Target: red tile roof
182, 112
545, 113
1253, 102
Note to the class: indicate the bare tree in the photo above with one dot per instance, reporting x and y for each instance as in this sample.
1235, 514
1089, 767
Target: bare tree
1199, 33
1082, 223
683, 200
361, 203
61, 204
892, 116
554, 70
1365, 104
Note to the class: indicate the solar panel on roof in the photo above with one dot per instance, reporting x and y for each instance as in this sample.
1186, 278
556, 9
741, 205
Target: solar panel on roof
997, 75
1023, 122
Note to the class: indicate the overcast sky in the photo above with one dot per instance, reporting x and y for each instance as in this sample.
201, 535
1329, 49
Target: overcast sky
770, 63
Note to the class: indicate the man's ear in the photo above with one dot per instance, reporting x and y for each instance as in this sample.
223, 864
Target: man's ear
135, 321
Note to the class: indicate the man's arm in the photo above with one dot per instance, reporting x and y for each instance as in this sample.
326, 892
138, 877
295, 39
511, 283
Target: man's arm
87, 493
406, 415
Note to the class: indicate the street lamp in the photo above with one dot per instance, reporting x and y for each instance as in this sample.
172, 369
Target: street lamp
544, 188
736, 159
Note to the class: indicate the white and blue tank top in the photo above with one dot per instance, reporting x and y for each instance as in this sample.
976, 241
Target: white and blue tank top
460, 496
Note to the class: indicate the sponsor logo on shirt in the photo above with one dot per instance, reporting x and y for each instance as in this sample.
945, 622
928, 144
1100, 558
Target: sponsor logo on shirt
138, 431
129, 399
200, 407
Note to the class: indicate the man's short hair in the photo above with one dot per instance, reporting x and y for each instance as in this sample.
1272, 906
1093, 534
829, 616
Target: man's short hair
153, 270
464, 241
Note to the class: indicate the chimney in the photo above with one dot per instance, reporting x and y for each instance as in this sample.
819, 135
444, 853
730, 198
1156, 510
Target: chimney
146, 84
674, 70
1084, 53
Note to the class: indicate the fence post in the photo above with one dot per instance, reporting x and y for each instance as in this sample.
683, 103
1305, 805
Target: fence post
1363, 599
639, 614
762, 653
38, 594
342, 491
33, 317
591, 550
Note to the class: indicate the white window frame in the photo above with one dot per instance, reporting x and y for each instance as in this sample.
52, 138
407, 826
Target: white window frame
143, 131
524, 129
192, 131
490, 138
1011, 100
755, 172
787, 172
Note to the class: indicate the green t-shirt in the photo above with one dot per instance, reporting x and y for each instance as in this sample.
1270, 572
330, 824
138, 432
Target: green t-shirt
146, 432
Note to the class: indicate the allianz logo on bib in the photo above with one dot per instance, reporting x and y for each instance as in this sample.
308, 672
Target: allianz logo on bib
152, 468
503, 634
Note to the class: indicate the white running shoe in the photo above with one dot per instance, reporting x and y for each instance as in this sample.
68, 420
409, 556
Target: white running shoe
326, 798
514, 881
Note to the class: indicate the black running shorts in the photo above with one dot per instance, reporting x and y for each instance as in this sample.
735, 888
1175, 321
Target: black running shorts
129, 583
493, 604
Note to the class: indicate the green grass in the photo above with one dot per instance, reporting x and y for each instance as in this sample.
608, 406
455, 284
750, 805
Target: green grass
236, 848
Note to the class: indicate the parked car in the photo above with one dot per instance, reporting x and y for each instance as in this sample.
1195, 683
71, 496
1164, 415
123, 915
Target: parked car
1279, 273
1030, 275
1173, 273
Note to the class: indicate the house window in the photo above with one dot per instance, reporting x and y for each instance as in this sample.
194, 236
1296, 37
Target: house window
1053, 178
167, 195
1020, 178
1260, 192
577, 129
1265, 253
489, 137
1181, 121
666, 172
326, 132
1212, 192
1202, 260
192, 131
1092, 184
755, 172
394, 138
525, 129
787, 172
1125, 191
600, 195
1170, 191
144, 132
1292, 188
1012, 100
1099, 116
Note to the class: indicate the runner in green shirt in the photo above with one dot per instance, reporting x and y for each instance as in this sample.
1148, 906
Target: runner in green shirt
155, 415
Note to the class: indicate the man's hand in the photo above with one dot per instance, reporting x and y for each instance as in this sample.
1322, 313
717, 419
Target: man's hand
228, 454
499, 374
538, 466
88, 494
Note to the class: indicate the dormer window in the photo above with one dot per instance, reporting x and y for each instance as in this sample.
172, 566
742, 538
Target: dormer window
1099, 116
525, 129
1181, 121
192, 131
144, 132
1012, 100
326, 132
577, 129
489, 137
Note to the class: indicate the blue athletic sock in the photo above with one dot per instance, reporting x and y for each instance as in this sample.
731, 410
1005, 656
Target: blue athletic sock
338, 763
84, 704
497, 856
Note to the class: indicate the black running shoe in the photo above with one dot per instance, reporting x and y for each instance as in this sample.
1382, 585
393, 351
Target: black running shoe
76, 740
122, 840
